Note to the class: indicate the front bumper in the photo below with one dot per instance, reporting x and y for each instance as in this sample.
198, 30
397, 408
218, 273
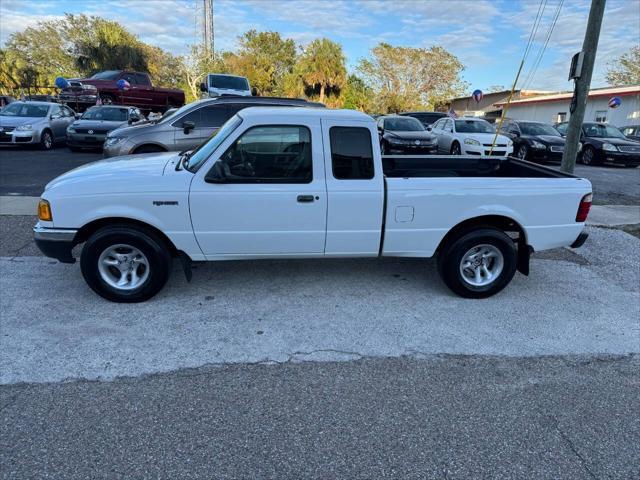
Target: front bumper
412, 149
55, 242
85, 140
621, 158
20, 137
467, 149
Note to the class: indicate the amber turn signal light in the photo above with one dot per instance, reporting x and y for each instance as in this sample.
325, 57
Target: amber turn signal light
44, 211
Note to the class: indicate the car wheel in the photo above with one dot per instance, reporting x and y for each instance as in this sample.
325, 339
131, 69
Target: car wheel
455, 149
523, 152
125, 264
589, 155
478, 264
107, 99
46, 140
149, 149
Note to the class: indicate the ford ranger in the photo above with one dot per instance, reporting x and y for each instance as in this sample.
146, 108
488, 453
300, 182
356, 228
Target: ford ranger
301, 183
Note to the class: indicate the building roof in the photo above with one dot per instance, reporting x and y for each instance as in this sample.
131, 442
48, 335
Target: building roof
594, 93
505, 93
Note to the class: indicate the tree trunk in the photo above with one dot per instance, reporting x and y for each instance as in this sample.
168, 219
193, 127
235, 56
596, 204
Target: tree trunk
322, 93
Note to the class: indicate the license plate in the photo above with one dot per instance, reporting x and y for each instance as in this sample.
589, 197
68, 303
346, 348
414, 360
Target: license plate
91, 139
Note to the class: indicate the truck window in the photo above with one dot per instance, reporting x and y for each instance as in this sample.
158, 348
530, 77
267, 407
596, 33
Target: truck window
142, 79
351, 153
270, 154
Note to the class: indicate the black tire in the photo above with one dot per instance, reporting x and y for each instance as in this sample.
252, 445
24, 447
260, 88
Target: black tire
383, 148
46, 140
107, 99
154, 249
523, 152
450, 260
149, 149
455, 149
589, 156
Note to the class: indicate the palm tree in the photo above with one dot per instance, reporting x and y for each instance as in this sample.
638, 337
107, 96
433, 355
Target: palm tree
322, 65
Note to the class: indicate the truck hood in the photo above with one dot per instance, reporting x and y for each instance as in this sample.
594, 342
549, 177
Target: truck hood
130, 169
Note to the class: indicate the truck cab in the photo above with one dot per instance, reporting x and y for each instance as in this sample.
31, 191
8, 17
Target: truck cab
280, 182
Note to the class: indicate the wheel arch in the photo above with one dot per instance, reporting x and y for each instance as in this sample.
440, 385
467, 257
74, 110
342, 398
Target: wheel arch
501, 222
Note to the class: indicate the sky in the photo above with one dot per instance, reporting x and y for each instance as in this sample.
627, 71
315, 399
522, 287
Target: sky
488, 36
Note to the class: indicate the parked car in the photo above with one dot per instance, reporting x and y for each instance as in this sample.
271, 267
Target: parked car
426, 118
404, 135
90, 130
104, 85
189, 126
6, 100
632, 132
602, 143
470, 136
35, 123
306, 182
218, 84
534, 141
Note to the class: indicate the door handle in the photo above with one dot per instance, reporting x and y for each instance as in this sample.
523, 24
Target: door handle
305, 198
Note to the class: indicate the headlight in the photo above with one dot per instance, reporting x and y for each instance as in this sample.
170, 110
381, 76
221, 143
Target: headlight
471, 141
111, 141
538, 145
395, 140
44, 211
509, 143
607, 147
24, 128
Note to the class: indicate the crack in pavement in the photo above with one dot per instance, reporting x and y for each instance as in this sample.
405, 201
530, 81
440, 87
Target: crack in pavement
572, 447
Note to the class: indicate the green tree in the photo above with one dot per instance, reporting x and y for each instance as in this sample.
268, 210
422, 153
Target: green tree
357, 95
406, 78
321, 68
193, 68
626, 69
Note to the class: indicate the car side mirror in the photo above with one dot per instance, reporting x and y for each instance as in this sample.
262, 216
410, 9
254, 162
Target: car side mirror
203, 87
187, 126
216, 174
429, 128
77, 116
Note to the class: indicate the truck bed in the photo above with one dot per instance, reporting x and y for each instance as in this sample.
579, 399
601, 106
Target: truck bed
415, 166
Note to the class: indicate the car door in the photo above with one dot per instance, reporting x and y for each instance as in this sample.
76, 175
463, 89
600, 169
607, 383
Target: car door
69, 116
57, 122
436, 129
272, 200
206, 120
445, 137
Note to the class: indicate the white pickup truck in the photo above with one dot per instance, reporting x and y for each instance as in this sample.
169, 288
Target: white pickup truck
304, 182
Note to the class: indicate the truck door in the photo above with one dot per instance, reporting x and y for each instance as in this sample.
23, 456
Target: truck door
355, 188
271, 200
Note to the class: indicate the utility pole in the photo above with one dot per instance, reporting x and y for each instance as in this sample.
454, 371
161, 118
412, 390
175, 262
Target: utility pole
582, 84
207, 31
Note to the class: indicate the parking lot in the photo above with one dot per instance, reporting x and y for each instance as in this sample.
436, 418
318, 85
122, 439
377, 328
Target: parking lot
372, 364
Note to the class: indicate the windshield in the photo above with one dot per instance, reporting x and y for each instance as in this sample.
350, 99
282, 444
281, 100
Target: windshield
108, 114
200, 154
600, 131
474, 126
18, 109
538, 129
228, 82
108, 75
409, 124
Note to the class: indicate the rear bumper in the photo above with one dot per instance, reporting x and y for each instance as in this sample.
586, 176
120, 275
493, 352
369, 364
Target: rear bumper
55, 243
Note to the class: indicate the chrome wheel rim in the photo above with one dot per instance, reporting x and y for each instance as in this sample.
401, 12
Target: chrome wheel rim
587, 156
522, 152
123, 267
47, 140
481, 265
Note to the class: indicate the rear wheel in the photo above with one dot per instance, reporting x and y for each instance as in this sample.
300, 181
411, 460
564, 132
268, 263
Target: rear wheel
125, 264
479, 263
455, 149
107, 99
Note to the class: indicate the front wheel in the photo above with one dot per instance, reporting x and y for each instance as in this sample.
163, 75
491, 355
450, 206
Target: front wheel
589, 156
46, 140
455, 149
125, 264
523, 152
478, 264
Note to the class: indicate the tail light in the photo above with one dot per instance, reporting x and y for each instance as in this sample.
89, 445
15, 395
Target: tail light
583, 209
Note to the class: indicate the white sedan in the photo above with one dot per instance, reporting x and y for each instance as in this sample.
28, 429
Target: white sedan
469, 136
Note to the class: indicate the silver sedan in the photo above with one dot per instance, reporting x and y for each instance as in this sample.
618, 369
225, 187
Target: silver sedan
35, 123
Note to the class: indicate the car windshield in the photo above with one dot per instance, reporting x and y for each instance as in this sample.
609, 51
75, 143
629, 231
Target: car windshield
538, 129
108, 114
18, 109
474, 126
600, 131
200, 154
108, 75
401, 124
228, 82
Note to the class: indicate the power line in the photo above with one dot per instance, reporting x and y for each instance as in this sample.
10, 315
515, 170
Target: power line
534, 29
532, 73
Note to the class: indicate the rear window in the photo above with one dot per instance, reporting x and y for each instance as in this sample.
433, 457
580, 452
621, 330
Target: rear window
351, 153
108, 114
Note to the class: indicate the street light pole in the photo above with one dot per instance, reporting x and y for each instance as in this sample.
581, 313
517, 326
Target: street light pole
582, 84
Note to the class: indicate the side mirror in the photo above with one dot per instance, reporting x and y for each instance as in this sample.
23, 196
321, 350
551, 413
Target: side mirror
254, 92
216, 174
429, 128
203, 87
187, 127
77, 116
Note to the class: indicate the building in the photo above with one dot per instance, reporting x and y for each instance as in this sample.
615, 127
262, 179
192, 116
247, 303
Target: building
488, 106
555, 108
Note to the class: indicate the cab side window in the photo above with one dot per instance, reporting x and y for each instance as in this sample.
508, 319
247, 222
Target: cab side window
270, 154
142, 80
562, 128
351, 153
